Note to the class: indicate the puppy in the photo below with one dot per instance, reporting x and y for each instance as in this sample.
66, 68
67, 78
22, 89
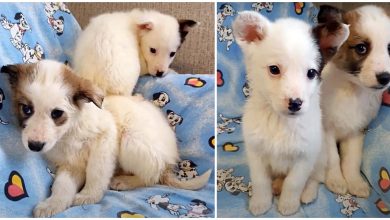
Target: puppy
353, 84
115, 48
282, 117
148, 150
60, 116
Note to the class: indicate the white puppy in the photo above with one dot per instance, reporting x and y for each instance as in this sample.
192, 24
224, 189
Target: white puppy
148, 148
115, 48
352, 90
282, 118
79, 138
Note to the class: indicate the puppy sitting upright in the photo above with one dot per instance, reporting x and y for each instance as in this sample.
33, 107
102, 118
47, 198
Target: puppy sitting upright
354, 81
60, 116
115, 48
282, 118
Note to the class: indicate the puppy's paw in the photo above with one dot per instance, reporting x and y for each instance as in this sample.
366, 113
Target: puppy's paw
359, 187
288, 206
336, 184
308, 195
122, 183
87, 198
259, 205
48, 208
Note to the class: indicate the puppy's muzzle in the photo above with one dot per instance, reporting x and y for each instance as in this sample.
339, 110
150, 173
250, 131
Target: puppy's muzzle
294, 105
36, 145
383, 78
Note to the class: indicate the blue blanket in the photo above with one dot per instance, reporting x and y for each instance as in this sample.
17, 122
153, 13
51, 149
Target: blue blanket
33, 31
233, 181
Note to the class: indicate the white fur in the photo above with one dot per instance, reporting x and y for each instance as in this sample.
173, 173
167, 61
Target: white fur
349, 104
148, 145
113, 50
277, 143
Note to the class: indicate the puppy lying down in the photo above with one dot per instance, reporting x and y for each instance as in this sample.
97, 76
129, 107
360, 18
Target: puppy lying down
64, 117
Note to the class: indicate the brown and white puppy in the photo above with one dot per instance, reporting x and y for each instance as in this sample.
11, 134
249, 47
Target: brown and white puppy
353, 84
60, 116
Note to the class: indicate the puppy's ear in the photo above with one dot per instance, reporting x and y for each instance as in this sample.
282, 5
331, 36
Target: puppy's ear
250, 26
87, 92
185, 26
145, 26
16, 71
330, 36
329, 13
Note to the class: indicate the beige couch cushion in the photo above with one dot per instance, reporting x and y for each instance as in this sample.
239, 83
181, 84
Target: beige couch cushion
197, 53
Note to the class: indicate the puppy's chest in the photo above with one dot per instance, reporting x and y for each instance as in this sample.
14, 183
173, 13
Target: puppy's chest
350, 111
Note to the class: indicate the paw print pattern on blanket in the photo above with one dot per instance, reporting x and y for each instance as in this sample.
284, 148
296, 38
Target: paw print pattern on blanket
230, 147
15, 188
17, 31
57, 24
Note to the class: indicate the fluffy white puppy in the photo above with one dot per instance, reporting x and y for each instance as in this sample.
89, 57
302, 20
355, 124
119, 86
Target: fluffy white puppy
282, 118
115, 48
148, 149
79, 138
352, 90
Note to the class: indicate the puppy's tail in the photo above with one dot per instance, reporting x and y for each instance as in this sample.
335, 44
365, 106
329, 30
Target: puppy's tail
170, 179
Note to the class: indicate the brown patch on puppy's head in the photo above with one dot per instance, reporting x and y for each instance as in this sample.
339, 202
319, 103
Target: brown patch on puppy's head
83, 90
48, 98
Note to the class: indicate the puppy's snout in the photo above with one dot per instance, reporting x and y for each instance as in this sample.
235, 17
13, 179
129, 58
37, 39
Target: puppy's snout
159, 73
383, 78
294, 105
36, 145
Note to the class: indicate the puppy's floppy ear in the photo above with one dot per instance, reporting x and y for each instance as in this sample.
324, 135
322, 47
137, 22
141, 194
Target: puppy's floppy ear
250, 26
145, 26
16, 71
185, 26
83, 90
87, 92
329, 13
330, 36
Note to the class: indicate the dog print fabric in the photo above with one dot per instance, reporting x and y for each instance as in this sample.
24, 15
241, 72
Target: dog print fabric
48, 30
233, 182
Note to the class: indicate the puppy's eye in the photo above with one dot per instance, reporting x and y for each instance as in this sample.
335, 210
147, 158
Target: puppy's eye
172, 54
56, 113
361, 49
274, 70
312, 73
153, 50
27, 109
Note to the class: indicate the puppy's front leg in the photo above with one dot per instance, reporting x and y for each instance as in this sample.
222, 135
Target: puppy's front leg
100, 169
293, 185
334, 178
261, 200
65, 186
351, 158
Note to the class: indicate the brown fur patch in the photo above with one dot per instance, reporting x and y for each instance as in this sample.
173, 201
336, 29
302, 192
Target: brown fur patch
82, 90
346, 58
19, 73
61, 120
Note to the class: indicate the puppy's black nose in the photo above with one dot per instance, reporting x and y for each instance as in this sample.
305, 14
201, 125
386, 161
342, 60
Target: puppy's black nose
159, 73
294, 105
36, 145
383, 78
